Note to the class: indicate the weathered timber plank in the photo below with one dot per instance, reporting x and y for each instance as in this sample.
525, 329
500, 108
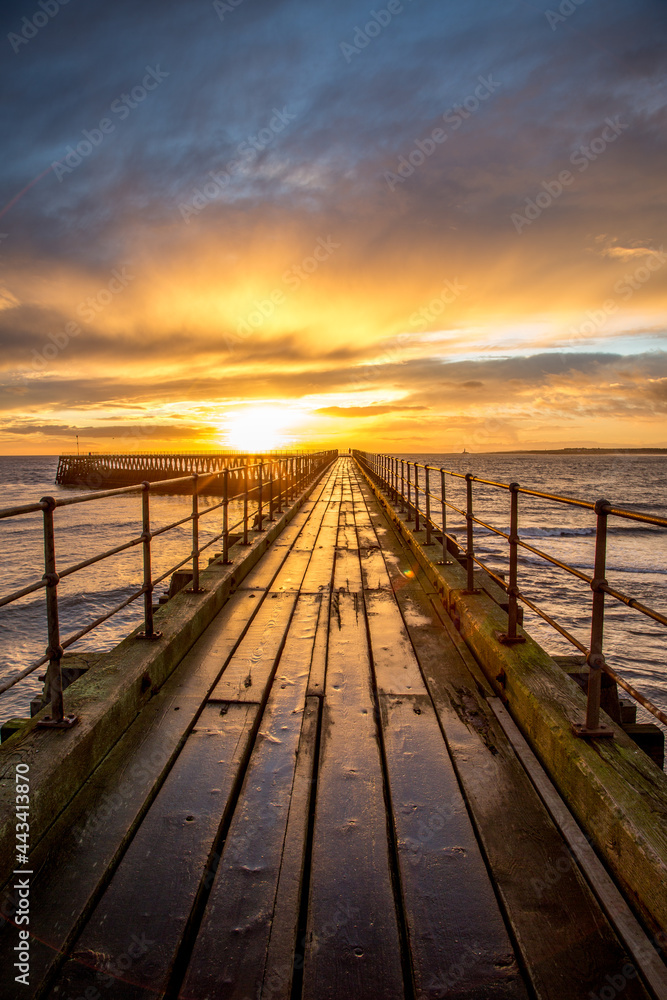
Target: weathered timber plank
246, 675
373, 569
230, 950
81, 851
319, 574
134, 933
456, 932
285, 952
292, 572
353, 945
394, 662
347, 537
318, 665
261, 577
347, 570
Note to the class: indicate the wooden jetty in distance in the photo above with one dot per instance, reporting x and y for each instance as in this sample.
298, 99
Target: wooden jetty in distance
325, 797
95, 471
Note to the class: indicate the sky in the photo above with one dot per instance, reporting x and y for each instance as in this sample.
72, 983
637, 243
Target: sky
415, 226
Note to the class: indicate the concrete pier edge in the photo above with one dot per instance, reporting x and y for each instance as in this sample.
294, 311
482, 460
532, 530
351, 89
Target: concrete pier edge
616, 792
109, 696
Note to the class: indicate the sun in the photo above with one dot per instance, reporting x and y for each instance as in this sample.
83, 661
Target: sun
258, 429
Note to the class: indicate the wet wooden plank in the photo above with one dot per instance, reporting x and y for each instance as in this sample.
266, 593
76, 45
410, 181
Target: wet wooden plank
316, 680
458, 940
319, 574
352, 946
347, 571
85, 845
134, 933
374, 573
394, 661
366, 536
309, 532
262, 575
232, 941
347, 537
291, 573
285, 950
246, 675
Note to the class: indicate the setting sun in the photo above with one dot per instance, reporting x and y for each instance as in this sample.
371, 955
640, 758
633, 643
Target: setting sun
258, 429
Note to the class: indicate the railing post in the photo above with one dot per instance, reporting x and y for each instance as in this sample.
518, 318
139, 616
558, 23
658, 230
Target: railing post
416, 497
443, 506
54, 678
148, 631
409, 515
595, 658
272, 466
510, 637
225, 517
428, 504
260, 514
195, 534
470, 551
245, 505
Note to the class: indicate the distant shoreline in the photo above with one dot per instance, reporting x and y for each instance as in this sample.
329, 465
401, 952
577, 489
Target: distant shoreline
578, 451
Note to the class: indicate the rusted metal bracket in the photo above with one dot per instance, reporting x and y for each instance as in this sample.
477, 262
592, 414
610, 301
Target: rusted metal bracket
66, 722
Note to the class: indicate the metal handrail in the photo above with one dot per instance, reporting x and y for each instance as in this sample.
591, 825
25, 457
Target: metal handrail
404, 488
290, 473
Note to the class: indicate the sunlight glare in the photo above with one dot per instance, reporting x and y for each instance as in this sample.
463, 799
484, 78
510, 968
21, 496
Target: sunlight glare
259, 429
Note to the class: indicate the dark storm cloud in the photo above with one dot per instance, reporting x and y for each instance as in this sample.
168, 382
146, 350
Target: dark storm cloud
352, 120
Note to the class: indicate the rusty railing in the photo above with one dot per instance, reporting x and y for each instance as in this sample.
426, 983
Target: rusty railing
403, 484
276, 481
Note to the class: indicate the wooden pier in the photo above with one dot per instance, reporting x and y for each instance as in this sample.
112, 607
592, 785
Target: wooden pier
320, 802
95, 471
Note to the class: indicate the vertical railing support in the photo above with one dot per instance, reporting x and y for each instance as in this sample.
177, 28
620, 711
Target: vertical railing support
443, 515
195, 534
409, 514
148, 630
245, 505
225, 517
470, 550
54, 677
272, 466
416, 497
511, 637
260, 512
595, 658
427, 487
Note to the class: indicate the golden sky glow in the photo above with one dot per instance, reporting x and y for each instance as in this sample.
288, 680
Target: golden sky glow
353, 281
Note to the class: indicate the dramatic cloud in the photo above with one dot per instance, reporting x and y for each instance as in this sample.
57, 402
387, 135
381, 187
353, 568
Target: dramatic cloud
448, 216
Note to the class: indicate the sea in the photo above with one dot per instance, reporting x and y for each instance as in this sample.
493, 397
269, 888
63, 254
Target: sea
636, 557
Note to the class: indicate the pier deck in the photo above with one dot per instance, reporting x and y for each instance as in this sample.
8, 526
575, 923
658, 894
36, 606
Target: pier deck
319, 802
